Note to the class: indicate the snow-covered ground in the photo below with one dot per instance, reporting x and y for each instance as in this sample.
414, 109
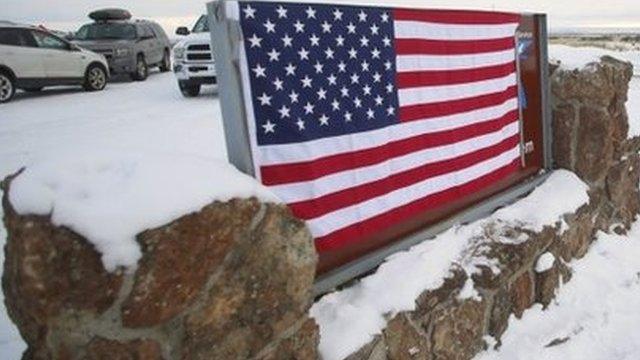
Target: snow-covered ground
133, 120
129, 117
594, 317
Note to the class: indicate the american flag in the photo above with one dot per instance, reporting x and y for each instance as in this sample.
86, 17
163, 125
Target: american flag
362, 117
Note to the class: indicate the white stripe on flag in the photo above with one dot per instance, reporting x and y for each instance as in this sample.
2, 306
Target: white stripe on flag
450, 32
313, 150
356, 213
433, 94
295, 192
409, 63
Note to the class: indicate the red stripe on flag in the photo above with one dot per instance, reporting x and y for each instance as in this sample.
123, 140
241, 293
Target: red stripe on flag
361, 230
426, 111
452, 47
466, 17
450, 77
317, 207
310, 170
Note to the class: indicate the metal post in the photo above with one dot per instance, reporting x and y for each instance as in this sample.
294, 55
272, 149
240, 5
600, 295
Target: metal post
225, 40
545, 96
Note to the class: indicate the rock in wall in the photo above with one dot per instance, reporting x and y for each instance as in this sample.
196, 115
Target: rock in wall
231, 281
591, 127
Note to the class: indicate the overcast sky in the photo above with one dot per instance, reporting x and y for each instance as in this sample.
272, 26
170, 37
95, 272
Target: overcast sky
67, 14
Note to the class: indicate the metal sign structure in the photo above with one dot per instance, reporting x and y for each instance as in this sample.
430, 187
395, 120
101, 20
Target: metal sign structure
535, 124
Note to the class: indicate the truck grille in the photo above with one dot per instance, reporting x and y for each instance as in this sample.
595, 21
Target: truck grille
199, 53
199, 56
199, 47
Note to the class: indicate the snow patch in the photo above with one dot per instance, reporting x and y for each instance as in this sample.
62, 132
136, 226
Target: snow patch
350, 318
543, 206
469, 291
110, 198
545, 262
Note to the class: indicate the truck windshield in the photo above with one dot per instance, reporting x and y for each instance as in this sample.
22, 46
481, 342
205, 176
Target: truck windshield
103, 31
202, 25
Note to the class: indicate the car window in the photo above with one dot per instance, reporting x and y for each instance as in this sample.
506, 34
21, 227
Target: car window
202, 25
146, 32
16, 37
48, 41
107, 31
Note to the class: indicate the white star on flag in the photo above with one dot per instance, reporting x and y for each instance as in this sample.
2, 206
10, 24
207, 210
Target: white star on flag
250, 13
282, 12
287, 40
311, 13
265, 99
271, 27
269, 127
255, 41
278, 84
260, 71
337, 15
315, 40
274, 55
324, 120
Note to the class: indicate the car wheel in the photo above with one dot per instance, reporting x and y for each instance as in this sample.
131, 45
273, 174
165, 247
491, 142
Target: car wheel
7, 87
95, 79
33, 89
142, 69
190, 90
165, 65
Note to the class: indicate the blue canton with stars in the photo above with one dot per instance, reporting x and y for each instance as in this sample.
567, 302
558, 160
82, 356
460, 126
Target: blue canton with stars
318, 71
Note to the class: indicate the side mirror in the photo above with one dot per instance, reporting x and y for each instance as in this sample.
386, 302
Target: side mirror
69, 37
183, 31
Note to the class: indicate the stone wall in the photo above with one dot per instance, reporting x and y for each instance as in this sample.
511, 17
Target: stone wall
590, 138
232, 281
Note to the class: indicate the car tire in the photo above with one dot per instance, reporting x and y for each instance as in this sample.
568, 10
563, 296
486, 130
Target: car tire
165, 65
189, 90
142, 69
7, 87
33, 89
95, 78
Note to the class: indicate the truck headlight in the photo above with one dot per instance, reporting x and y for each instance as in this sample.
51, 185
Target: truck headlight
122, 52
178, 53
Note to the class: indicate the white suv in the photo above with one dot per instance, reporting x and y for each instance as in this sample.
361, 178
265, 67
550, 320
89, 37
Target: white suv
193, 61
32, 58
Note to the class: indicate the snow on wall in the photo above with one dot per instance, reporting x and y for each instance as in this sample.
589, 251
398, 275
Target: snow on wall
110, 198
350, 318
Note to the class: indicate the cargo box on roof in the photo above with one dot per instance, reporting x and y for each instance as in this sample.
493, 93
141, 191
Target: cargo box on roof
110, 14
